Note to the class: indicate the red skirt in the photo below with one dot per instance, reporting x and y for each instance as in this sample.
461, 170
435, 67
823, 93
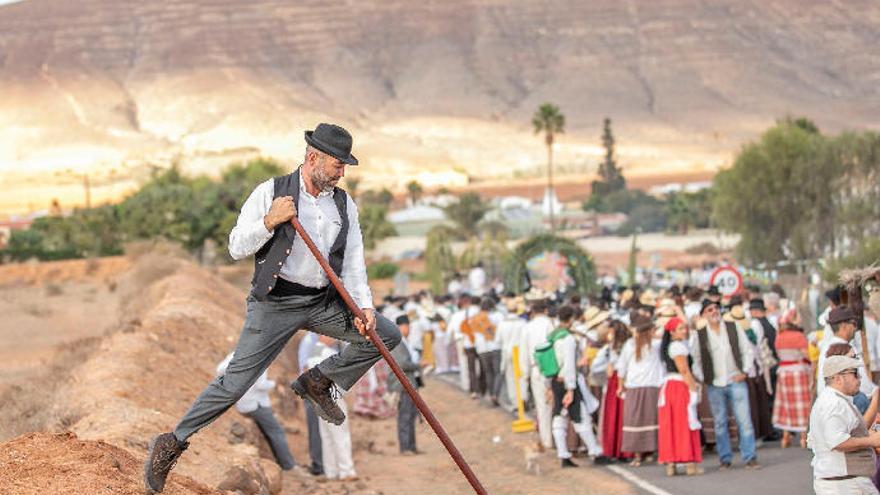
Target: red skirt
612, 420
677, 442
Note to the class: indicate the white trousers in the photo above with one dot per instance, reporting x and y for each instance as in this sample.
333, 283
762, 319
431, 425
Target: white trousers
464, 379
336, 446
854, 486
509, 379
543, 409
584, 429
441, 353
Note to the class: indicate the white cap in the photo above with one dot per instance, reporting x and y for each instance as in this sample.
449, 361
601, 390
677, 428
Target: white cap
835, 364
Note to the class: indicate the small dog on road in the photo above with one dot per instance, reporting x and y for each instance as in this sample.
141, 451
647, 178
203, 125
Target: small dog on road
532, 455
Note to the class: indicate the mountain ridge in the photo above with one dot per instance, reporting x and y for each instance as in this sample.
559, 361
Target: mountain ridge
434, 91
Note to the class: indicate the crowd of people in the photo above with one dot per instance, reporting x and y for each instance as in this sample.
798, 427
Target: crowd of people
630, 376
636, 376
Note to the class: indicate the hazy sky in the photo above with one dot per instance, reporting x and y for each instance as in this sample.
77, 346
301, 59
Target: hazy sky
3, 2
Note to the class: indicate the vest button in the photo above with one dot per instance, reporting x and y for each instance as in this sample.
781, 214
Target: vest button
280, 263
288, 251
275, 276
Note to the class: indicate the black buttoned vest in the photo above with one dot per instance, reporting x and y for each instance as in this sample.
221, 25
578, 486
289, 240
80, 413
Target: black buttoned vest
706, 354
269, 259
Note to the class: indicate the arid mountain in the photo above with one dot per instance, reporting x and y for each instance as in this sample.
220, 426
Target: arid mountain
431, 89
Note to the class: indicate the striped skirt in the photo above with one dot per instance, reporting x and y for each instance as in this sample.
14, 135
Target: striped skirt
640, 419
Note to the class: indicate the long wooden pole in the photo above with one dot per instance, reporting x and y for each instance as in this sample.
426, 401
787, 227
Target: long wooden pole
395, 368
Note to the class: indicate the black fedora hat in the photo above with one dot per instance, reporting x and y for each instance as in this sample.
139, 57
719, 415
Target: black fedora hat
332, 140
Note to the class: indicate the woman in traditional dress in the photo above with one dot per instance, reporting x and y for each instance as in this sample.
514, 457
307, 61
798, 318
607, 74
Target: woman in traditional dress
791, 410
611, 417
369, 393
679, 433
641, 375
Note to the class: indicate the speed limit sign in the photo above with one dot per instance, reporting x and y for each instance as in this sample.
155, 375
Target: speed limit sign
728, 280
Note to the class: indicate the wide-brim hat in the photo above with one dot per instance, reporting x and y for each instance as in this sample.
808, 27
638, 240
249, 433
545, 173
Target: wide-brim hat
332, 140
596, 318
735, 313
706, 303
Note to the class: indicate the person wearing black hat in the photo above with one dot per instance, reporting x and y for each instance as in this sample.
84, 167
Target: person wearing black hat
722, 361
764, 331
844, 324
290, 291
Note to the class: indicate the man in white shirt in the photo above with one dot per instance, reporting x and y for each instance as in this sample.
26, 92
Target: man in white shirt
567, 396
843, 448
464, 347
291, 291
257, 405
534, 334
722, 361
509, 335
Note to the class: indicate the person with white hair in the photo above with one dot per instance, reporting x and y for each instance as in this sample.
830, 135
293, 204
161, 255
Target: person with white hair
843, 448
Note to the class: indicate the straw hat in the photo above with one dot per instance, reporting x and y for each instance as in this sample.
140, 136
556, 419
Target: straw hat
593, 316
648, 298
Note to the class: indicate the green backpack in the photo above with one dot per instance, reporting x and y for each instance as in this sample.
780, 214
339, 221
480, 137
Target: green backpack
546, 357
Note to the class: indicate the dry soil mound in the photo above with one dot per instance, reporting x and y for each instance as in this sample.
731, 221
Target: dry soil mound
45, 463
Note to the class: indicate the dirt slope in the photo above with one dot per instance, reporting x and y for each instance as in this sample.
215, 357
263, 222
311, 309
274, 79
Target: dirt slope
44, 463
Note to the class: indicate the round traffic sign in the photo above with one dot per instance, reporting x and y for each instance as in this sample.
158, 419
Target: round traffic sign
728, 280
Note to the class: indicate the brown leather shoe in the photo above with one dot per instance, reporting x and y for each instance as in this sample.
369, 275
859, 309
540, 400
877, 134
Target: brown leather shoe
162, 455
316, 388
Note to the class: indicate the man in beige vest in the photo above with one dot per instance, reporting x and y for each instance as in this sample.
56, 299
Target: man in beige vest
843, 448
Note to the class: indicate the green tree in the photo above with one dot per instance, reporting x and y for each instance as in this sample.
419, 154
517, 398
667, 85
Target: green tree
467, 213
374, 224
381, 198
779, 195
549, 120
414, 190
679, 212
610, 176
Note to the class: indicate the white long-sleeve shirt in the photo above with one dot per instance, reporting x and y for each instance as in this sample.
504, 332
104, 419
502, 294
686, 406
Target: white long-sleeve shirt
320, 218
649, 371
566, 355
533, 334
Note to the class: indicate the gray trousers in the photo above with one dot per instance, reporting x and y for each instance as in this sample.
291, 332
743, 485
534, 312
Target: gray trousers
315, 451
274, 434
406, 423
267, 328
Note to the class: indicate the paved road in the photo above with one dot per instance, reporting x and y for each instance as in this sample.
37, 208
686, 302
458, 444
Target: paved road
785, 471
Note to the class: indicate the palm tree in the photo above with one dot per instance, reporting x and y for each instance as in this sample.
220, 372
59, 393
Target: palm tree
549, 120
375, 225
414, 189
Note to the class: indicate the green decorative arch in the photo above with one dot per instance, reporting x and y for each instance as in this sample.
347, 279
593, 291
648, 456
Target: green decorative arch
580, 263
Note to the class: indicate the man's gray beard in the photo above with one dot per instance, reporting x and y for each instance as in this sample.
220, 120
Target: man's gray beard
321, 181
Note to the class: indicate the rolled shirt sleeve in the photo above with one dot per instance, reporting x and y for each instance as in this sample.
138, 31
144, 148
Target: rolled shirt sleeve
250, 233
354, 269
835, 428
